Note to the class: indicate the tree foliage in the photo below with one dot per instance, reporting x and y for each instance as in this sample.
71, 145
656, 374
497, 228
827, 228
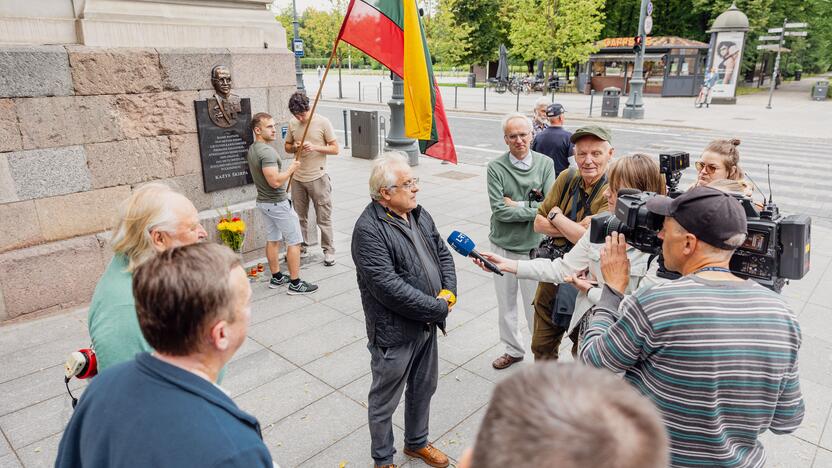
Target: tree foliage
469, 32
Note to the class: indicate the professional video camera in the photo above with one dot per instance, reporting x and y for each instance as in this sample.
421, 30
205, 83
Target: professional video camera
672, 165
777, 247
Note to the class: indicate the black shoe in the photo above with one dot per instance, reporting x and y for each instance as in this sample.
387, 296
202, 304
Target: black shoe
275, 283
301, 288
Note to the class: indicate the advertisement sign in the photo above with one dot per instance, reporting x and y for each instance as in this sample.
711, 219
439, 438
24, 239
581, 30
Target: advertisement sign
727, 58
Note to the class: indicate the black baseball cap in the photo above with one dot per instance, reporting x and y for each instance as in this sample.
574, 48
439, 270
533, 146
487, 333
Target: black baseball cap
554, 110
710, 214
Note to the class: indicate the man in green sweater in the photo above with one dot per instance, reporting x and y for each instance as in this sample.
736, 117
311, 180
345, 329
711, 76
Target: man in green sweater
512, 180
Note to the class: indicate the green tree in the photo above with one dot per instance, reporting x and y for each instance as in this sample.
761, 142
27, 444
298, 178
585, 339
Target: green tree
468, 32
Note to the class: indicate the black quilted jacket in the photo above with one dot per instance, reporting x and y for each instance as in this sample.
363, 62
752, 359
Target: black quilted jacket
395, 290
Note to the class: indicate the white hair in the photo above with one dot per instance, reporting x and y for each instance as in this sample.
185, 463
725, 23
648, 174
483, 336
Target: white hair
515, 115
541, 102
149, 208
384, 172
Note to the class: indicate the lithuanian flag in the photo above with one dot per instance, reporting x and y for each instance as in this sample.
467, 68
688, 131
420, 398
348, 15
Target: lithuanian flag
391, 32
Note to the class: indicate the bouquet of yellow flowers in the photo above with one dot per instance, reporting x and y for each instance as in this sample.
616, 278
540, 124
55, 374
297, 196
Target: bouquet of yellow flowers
232, 231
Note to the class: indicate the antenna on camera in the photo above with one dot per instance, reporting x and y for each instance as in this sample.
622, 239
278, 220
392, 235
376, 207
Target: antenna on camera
756, 187
768, 171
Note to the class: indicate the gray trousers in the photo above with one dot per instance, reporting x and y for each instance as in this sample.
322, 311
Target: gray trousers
416, 365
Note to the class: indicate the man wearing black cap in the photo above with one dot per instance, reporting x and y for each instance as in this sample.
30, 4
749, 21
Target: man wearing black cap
553, 141
717, 354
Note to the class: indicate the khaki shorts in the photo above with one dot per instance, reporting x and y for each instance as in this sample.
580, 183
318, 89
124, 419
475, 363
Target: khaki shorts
282, 224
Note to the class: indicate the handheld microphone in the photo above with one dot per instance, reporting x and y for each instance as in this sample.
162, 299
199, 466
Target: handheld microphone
465, 247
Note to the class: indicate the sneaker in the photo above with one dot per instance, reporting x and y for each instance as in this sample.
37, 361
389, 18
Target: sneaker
275, 283
329, 259
301, 288
304, 252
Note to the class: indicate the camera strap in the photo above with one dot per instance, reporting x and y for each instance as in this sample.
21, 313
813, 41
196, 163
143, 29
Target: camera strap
578, 195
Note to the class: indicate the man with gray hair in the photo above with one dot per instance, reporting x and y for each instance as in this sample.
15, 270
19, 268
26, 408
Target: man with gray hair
407, 282
155, 218
568, 416
517, 182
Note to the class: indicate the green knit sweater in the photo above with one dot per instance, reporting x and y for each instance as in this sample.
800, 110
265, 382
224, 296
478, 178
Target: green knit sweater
512, 227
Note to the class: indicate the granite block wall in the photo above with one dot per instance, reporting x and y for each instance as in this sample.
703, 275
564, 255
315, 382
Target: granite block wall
81, 127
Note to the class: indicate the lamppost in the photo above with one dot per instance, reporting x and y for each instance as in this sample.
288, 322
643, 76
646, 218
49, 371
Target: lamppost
298, 70
634, 108
396, 140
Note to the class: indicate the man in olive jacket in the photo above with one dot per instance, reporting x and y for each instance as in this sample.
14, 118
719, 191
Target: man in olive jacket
408, 284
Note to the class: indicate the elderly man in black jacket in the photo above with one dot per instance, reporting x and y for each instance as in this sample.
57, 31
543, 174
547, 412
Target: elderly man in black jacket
408, 284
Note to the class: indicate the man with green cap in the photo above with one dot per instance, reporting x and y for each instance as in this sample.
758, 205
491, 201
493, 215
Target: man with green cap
564, 216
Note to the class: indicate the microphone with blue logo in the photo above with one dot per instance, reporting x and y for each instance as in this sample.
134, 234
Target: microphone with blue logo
465, 247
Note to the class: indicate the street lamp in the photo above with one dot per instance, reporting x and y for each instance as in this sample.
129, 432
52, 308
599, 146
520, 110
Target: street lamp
298, 70
634, 108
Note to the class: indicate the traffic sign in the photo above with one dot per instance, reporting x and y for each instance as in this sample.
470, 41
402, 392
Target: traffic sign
796, 33
297, 46
797, 25
769, 38
649, 9
648, 25
775, 30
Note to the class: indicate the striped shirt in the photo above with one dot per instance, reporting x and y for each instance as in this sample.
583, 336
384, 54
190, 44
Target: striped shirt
718, 358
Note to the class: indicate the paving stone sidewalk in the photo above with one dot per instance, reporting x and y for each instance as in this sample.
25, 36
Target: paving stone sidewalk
304, 369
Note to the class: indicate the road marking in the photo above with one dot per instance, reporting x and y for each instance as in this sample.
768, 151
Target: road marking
474, 148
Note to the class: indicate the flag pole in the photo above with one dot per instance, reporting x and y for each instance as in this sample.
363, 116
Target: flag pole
299, 151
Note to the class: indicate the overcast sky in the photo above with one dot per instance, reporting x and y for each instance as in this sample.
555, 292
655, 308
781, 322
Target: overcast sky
303, 4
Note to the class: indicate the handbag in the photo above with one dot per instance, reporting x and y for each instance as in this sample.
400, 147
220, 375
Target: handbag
563, 305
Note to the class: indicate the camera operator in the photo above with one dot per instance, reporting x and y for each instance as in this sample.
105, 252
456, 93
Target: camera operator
715, 353
516, 183
721, 160
637, 171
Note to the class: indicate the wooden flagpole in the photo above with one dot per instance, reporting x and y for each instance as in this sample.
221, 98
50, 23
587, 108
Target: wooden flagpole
299, 151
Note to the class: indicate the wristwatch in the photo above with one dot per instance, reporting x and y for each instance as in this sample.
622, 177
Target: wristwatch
552, 215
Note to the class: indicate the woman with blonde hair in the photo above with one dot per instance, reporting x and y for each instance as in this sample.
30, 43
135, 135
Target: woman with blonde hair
581, 266
155, 218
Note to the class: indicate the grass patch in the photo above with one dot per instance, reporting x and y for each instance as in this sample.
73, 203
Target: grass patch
460, 85
746, 90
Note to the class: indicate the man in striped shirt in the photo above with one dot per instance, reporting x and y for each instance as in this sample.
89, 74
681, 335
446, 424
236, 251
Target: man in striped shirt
715, 353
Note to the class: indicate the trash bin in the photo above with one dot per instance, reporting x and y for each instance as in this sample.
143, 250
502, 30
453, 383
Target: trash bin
364, 126
820, 90
798, 74
612, 98
472, 80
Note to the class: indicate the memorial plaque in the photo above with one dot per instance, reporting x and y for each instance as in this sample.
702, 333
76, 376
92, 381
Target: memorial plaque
222, 123
223, 150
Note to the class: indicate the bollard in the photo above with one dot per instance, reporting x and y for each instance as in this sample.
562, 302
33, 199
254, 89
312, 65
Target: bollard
517, 105
359, 91
484, 106
591, 97
456, 88
346, 132
379, 91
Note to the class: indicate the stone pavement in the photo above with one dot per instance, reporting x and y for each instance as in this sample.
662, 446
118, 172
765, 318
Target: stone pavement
304, 370
792, 113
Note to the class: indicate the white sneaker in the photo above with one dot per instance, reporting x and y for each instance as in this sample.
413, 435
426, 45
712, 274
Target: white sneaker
329, 259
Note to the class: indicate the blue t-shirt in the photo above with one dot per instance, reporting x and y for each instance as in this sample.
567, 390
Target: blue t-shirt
147, 412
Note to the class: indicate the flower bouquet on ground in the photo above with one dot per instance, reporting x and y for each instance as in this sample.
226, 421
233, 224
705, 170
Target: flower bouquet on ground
232, 231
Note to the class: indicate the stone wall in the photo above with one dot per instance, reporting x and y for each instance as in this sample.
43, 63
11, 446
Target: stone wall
80, 127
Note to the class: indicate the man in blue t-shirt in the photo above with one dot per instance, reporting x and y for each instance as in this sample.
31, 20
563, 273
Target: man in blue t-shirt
554, 140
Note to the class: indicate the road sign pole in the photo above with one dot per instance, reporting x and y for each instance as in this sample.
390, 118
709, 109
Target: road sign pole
776, 64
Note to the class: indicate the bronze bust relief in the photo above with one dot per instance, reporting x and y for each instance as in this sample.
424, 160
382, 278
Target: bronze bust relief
223, 106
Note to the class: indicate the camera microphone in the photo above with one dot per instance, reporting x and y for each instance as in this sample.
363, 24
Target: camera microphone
465, 247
